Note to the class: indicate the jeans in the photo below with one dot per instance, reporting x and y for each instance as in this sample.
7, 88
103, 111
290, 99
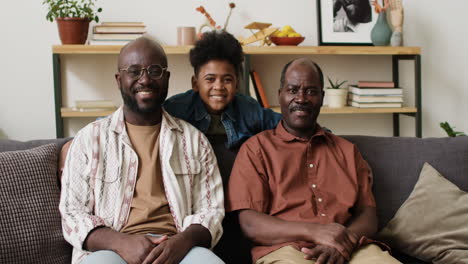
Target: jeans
197, 255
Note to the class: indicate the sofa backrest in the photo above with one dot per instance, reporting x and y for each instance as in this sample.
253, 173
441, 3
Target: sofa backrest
397, 161
11, 145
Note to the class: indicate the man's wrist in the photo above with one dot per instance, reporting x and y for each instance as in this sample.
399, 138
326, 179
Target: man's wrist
308, 232
197, 235
104, 238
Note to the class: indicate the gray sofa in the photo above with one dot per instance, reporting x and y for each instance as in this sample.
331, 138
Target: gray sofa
396, 164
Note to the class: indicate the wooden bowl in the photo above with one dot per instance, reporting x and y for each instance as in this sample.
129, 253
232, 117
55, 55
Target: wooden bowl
288, 41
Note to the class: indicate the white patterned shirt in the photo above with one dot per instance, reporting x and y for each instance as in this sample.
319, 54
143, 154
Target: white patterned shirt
101, 170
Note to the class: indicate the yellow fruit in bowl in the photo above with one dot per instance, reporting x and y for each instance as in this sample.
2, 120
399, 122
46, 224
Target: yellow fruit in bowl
281, 35
288, 29
294, 35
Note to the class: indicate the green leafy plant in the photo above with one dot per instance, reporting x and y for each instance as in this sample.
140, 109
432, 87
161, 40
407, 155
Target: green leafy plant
450, 130
72, 8
335, 85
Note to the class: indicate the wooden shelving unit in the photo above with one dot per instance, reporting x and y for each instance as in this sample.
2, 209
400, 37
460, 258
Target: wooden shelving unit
355, 110
254, 50
397, 53
69, 112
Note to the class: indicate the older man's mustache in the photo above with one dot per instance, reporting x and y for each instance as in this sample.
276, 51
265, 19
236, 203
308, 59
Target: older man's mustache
301, 108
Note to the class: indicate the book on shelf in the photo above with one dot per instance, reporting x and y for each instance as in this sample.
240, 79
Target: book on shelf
372, 84
119, 29
122, 23
84, 104
97, 109
376, 98
116, 36
260, 90
375, 91
252, 90
108, 42
375, 105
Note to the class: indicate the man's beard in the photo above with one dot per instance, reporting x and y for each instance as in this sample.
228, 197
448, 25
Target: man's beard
132, 104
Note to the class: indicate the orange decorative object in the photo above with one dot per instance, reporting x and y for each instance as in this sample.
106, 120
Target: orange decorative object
287, 41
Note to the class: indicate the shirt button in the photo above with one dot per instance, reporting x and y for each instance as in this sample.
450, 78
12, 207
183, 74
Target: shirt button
314, 186
320, 200
311, 165
323, 214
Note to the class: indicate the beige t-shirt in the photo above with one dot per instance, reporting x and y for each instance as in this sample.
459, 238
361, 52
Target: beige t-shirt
149, 212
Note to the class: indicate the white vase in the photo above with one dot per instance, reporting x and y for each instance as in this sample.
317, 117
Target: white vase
336, 97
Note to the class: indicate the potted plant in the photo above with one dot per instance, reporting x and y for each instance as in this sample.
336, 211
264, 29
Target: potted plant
336, 95
451, 130
73, 17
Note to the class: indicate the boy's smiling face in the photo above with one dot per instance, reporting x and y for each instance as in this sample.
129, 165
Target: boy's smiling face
216, 83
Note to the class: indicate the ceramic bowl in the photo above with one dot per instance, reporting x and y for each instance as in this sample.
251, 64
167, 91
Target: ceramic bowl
289, 41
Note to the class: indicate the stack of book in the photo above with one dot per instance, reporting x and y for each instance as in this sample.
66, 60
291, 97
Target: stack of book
117, 33
93, 105
375, 94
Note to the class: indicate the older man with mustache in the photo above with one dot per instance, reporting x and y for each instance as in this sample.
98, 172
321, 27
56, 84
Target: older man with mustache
303, 194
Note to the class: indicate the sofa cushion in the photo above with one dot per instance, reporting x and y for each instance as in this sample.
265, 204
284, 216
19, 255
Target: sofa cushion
30, 222
397, 161
432, 223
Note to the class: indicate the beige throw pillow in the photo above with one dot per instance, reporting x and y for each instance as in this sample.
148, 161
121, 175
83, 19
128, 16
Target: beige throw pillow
432, 224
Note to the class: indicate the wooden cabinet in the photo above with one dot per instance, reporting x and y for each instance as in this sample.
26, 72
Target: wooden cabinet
397, 54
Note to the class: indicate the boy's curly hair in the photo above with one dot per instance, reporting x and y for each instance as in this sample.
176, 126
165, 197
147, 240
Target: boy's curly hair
217, 45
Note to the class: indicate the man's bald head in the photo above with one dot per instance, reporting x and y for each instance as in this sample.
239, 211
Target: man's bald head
143, 80
305, 62
145, 46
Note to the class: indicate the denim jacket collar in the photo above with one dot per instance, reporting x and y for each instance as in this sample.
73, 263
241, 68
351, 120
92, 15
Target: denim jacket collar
201, 113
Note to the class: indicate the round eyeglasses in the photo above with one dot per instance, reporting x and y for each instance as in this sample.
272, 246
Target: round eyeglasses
155, 71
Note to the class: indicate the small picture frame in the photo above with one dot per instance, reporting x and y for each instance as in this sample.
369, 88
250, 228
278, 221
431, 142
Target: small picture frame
345, 22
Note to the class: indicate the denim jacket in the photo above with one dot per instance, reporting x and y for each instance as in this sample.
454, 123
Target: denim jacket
243, 117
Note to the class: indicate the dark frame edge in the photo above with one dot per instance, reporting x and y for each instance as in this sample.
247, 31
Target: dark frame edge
319, 32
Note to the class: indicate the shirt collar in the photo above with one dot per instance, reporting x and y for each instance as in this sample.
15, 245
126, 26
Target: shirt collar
118, 123
200, 110
201, 113
230, 112
284, 135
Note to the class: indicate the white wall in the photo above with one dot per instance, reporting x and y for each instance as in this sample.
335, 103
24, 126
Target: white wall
27, 104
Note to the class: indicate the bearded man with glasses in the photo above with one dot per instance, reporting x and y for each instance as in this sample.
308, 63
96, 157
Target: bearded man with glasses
141, 186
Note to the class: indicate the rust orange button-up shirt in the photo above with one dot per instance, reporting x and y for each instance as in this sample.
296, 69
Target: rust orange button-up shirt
317, 181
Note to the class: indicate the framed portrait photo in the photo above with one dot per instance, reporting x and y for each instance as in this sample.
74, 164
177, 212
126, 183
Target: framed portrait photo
345, 22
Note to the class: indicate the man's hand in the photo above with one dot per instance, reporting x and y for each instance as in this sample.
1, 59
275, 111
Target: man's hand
135, 248
170, 251
396, 15
336, 236
324, 255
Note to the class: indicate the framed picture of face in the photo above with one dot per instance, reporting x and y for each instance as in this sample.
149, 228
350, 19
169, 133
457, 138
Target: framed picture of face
345, 22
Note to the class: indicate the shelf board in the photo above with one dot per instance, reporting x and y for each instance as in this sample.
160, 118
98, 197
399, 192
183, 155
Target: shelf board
356, 110
331, 50
109, 49
254, 50
69, 112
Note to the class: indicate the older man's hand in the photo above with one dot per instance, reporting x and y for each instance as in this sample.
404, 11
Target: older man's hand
336, 236
323, 255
